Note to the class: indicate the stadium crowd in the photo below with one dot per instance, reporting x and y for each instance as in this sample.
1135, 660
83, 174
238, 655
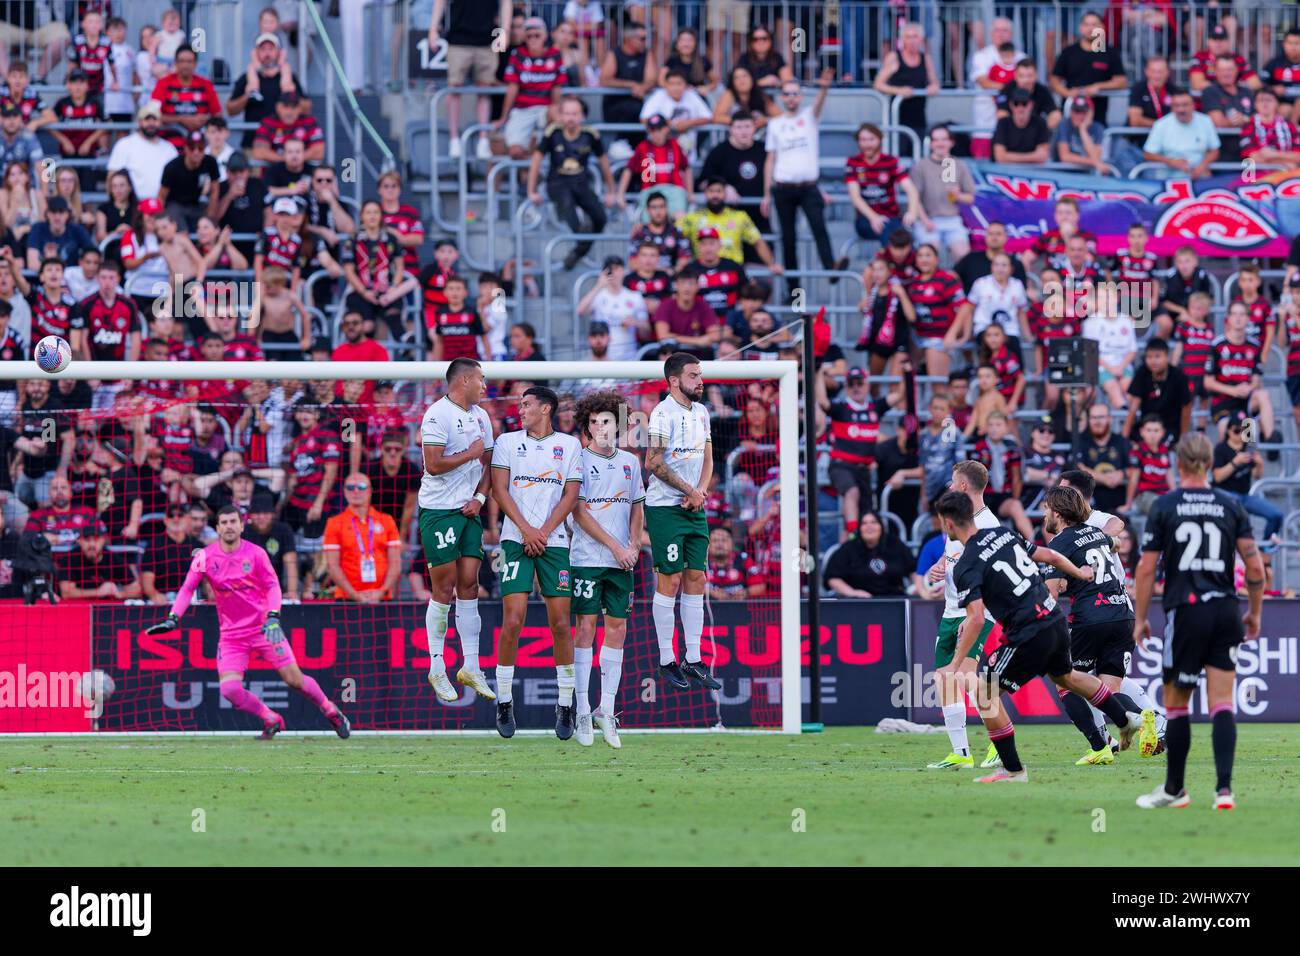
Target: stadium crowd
203, 243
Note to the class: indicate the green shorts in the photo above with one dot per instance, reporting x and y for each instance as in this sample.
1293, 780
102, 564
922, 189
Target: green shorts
945, 645
448, 535
679, 538
551, 568
602, 589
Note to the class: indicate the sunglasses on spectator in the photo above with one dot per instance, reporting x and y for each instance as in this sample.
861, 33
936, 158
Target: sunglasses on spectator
356, 486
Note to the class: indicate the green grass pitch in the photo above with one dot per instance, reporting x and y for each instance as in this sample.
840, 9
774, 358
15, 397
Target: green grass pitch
862, 798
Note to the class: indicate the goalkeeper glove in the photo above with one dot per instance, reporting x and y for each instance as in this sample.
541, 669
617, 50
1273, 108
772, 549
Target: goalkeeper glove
271, 629
163, 627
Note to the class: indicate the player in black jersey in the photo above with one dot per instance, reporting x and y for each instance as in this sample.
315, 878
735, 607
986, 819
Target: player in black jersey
1198, 531
1100, 616
998, 568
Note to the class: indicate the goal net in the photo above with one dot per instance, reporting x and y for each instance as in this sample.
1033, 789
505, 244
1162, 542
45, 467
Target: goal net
123, 468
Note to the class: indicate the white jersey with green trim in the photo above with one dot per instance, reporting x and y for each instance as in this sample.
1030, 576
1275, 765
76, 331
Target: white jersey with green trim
540, 468
455, 429
684, 434
952, 551
610, 487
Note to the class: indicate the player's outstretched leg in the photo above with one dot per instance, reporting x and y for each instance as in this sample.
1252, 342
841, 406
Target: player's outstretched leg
1178, 742
1118, 708
1080, 713
241, 698
307, 686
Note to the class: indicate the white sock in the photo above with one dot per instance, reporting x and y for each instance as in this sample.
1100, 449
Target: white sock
611, 672
1099, 719
664, 608
505, 678
692, 625
954, 721
468, 625
582, 675
1134, 690
435, 626
564, 681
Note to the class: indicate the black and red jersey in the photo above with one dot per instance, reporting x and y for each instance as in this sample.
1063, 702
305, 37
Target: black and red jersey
855, 429
277, 250
176, 98
459, 332
50, 317
308, 456
905, 269
374, 258
673, 246
1045, 328
1009, 369
1280, 135
717, 510
405, 221
12, 347
1196, 340
936, 301
653, 165
536, 76
1261, 317
657, 286
1078, 287
876, 179
735, 575
1051, 246
28, 101
1231, 363
720, 284
1203, 63
1137, 274
87, 114
275, 133
1153, 464
242, 348
108, 327
432, 281
176, 442
1293, 344
95, 58
64, 526
1002, 463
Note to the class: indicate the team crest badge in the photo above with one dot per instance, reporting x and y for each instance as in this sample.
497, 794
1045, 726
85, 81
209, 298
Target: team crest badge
246, 567
564, 578
557, 452
627, 472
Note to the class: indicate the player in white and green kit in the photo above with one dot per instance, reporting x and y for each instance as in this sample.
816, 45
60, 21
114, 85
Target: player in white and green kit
535, 481
456, 439
680, 463
609, 519
970, 478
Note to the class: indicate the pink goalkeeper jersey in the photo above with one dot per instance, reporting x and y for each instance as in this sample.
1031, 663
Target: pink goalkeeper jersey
243, 583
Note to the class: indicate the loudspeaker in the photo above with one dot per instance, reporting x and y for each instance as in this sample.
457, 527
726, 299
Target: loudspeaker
1072, 361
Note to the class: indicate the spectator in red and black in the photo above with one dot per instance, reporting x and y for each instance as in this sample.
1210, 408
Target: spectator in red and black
109, 323
1052, 245
313, 466
1042, 103
732, 575
288, 123
271, 534
190, 181
383, 415
1152, 98
979, 262
80, 108
239, 203
50, 303
457, 330
1187, 279
1218, 43
186, 99
328, 220
1135, 268
995, 350
534, 80
1049, 318
887, 316
237, 346
402, 220
673, 247
40, 461
717, 509
1268, 137
873, 177
1079, 273
1089, 68
1282, 73
1102, 454
435, 275
1041, 466
394, 480
91, 571
91, 53
167, 557
720, 279
17, 91
1233, 374
1160, 389
854, 430
899, 254
61, 520
376, 274
657, 161
1229, 104
937, 297
999, 452
1150, 466
280, 245
259, 88
644, 276
1262, 323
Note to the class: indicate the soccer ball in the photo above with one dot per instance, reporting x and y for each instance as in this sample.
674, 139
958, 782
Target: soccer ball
97, 687
53, 354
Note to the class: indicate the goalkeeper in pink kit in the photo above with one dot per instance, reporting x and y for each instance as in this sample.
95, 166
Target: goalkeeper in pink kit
247, 594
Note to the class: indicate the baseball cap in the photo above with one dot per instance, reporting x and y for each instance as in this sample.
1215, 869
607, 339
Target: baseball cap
267, 38
708, 232
656, 121
1021, 96
195, 138
149, 207
1044, 421
598, 328
611, 261
262, 504
290, 98
10, 109
152, 108
1218, 32
56, 204
241, 473
77, 75
1236, 418
285, 204
856, 375
1080, 104
237, 161
96, 530
535, 23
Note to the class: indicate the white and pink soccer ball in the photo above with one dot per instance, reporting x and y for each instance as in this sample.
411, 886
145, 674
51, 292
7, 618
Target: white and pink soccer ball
53, 354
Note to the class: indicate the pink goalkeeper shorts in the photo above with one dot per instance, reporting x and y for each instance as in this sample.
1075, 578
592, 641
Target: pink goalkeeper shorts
233, 653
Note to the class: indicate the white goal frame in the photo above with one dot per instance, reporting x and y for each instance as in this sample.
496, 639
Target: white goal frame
784, 372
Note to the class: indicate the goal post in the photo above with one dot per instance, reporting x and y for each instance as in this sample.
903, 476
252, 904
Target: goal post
784, 373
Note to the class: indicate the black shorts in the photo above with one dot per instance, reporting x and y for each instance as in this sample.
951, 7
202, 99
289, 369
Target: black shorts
1046, 651
391, 314
845, 476
1200, 636
1231, 407
296, 518
1102, 648
995, 500
1293, 388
